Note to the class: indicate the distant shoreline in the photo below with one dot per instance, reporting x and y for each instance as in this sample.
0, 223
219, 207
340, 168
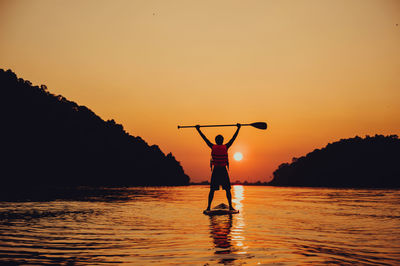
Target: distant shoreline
89, 193
258, 183
266, 184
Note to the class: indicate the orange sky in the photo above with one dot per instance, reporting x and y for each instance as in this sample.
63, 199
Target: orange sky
316, 71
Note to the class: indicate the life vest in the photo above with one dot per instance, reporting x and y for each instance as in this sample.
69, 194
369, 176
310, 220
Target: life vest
219, 155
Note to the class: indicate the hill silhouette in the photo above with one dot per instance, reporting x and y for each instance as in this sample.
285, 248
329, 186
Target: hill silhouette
370, 162
49, 140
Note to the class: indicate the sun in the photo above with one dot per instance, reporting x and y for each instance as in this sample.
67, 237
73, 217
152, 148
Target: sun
238, 156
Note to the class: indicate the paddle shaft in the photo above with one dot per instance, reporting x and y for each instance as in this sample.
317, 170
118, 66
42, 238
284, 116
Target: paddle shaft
230, 125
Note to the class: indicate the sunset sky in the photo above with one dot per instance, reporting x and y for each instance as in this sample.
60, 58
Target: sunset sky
315, 71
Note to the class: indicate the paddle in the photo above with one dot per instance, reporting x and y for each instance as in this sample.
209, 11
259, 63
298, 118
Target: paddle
259, 125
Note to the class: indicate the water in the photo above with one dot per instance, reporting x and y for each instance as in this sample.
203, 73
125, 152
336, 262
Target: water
136, 226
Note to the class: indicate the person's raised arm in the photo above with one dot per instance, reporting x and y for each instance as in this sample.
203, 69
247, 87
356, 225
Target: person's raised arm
234, 136
209, 144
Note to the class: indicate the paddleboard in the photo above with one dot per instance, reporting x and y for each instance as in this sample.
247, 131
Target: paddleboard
221, 209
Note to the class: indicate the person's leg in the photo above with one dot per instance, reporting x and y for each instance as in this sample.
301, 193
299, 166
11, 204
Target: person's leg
226, 184
210, 198
229, 197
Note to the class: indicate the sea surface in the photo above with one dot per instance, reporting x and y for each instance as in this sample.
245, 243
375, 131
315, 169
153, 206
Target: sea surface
165, 226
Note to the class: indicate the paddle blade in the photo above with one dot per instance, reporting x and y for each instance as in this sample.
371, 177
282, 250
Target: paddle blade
259, 125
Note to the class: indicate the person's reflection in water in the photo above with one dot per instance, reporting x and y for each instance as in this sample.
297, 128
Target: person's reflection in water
220, 229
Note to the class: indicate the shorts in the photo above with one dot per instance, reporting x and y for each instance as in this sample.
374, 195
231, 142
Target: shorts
220, 177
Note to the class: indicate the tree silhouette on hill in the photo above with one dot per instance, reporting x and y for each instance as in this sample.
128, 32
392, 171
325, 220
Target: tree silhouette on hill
48, 140
371, 162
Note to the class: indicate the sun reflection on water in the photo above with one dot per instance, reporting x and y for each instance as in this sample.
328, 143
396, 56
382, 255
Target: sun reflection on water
238, 196
239, 222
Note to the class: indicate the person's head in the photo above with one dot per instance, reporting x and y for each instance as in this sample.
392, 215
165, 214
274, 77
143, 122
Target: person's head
219, 139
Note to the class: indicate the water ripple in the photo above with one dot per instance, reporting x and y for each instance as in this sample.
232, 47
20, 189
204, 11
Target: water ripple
165, 226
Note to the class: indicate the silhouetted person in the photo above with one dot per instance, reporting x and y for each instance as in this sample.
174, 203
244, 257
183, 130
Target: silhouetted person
219, 164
